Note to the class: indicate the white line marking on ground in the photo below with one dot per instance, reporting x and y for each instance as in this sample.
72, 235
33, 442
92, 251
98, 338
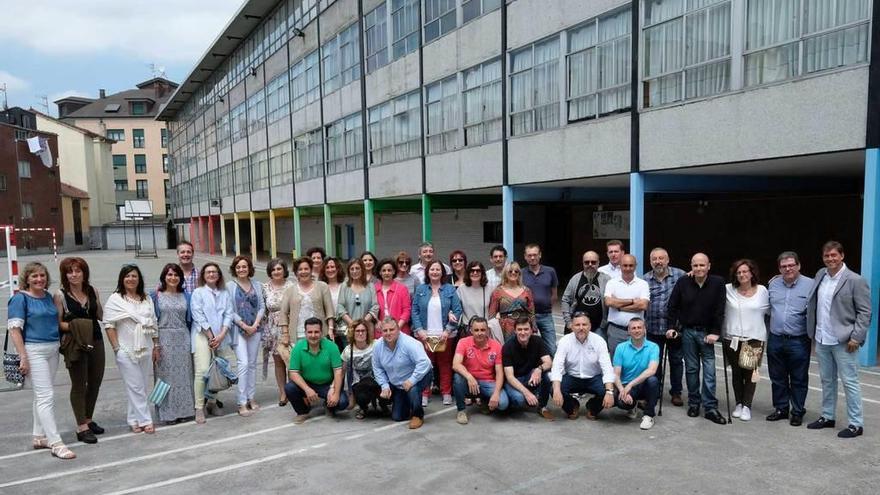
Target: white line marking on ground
840, 394
764, 367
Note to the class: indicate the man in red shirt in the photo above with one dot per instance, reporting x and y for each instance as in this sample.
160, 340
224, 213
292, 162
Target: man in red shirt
478, 370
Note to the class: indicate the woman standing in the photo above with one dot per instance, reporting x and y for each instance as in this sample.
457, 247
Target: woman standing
33, 328
369, 260
79, 309
357, 365
277, 271
436, 311
247, 298
307, 298
512, 299
317, 255
334, 276
747, 304
130, 321
175, 365
458, 263
393, 298
212, 310
475, 297
357, 301
404, 263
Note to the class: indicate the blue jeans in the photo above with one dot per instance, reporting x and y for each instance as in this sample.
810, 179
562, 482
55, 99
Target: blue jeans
648, 391
405, 405
544, 322
834, 360
517, 399
571, 385
298, 402
788, 361
487, 388
696, 353
674, 361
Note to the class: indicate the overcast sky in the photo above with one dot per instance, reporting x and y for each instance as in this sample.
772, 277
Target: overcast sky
58, 48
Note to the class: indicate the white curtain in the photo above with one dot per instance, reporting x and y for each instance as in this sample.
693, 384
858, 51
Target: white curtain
660, 10
546, 81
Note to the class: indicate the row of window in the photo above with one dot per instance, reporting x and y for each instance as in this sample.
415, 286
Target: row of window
137, 136
140, 163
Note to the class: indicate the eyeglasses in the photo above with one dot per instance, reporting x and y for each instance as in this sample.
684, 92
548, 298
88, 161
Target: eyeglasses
458, 260
788, 267
476, 270
591, 262
361, 330
514, 272
403, 262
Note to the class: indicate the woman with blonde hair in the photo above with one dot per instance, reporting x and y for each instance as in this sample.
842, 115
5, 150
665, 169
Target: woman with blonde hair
511, 299
357, 301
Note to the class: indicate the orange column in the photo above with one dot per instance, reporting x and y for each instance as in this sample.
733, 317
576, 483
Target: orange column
211, 234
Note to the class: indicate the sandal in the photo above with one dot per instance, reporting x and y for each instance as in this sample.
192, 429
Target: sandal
149, 429
253, 406
41, 443
359, 414
61, 451
136, 429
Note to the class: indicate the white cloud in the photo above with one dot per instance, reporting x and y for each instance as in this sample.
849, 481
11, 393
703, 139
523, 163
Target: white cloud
174, 31
13, 84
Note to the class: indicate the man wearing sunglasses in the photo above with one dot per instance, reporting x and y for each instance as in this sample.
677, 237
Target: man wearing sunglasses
584, 293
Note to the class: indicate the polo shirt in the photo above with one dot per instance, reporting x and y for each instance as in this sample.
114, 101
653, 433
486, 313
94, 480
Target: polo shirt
621, 289
634, 361
315, 368
541, 285
479, 362
523, 360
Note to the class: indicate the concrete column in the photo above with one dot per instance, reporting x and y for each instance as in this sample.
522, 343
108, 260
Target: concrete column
237, 234
297, 235
507, 217
369, 225
871, 250
253, 236
223, 235
329, 245
426, 218
211, 234
273, 242
637, 218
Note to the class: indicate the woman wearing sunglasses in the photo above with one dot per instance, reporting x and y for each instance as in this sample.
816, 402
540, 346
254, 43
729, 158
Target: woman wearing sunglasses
357, 301
512, 299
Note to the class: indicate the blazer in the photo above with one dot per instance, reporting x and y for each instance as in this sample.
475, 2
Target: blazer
850, 307
399, 305
449, 301
288, 315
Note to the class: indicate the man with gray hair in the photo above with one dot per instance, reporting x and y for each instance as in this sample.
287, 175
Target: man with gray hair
661, 279
426, 256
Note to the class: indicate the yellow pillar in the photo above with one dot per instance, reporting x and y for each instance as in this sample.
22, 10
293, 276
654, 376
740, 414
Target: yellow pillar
223, 235
253, 236
273, 247
237, 236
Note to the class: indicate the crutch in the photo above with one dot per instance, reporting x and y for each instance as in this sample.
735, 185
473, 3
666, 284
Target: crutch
663, 362
726, 385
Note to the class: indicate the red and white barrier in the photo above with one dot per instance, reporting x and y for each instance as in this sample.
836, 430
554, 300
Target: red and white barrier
11, 258
45, 229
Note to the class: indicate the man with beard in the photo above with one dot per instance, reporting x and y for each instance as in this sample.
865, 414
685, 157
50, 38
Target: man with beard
584, 293
661, 279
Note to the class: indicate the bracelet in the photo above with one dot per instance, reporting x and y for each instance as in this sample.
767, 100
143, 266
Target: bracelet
609, 392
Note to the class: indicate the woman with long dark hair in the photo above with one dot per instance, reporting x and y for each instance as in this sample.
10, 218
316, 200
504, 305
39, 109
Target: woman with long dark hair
357, 301
393, 298
174, 365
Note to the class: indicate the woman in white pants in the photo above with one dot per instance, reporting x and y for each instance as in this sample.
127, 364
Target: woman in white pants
249, 308
130, 321
33, 327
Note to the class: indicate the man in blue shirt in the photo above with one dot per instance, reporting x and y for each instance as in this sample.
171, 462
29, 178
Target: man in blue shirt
635, 367
402, 369
542, 281
788, 346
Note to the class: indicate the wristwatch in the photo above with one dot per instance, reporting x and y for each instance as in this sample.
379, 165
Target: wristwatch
609, 392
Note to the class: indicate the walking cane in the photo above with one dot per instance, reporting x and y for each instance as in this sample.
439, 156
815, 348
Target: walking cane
726, 386
663, 361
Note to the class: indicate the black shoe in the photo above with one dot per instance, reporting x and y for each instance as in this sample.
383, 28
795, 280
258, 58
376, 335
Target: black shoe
777, 415
94, 428
821, 423
850, 432
715, 417
796, 420
694, 411
86, 436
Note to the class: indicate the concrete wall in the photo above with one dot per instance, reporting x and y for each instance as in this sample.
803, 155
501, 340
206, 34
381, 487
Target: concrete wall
117, 237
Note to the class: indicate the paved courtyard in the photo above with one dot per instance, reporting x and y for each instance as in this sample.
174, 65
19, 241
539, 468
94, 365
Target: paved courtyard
517, 453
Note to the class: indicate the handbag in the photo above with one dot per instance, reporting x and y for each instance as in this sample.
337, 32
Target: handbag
218, 377
160, 392
436, 344
750, 355
11, 364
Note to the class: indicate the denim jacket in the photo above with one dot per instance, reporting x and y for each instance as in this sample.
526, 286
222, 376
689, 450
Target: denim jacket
154, 295
449, 301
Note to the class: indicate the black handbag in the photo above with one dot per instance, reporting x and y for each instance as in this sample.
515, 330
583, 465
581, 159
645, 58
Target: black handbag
12, 362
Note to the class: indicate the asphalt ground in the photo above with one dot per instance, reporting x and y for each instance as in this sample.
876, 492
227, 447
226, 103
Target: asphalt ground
513, 453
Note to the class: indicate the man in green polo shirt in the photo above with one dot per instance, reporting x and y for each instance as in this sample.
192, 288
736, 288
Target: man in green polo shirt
315, 373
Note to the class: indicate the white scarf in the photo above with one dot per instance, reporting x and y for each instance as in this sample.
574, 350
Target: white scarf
133, 342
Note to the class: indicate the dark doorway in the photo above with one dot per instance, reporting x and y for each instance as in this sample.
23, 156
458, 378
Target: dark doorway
77, 223
171, 235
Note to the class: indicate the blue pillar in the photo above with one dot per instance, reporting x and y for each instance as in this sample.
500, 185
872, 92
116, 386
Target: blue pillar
507, 218
637, 218
871, 249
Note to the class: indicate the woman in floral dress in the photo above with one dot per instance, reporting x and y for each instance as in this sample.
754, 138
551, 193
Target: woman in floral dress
272, 292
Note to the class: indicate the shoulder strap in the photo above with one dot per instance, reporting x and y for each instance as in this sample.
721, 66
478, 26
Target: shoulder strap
350, 363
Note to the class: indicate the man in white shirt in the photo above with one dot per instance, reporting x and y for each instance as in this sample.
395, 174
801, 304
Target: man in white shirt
582, 365
498, 259
614, 250
426, 256
626, 298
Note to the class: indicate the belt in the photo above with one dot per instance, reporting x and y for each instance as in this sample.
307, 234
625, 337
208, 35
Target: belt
790, 337
698, 329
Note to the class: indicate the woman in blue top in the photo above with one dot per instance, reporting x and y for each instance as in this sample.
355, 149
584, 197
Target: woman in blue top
436, 310
33, 327
249, 308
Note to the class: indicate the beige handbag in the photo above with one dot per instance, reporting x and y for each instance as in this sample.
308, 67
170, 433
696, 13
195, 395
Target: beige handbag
435, 344
750, 355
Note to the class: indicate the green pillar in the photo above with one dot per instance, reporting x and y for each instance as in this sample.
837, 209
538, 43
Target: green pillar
369, 225
297, 237
426, 218
328, 231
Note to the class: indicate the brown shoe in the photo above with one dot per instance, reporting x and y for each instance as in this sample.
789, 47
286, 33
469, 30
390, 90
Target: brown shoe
416, 422
676, 400
546, 414
573, 415
589, 415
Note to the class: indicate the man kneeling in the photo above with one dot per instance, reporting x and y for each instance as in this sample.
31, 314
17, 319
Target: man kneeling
403, 371
526, 369
315, 372
582, 365
635, 365
478, 370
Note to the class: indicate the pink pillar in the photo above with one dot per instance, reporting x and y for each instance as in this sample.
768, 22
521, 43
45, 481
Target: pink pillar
211, 234
192, 230
202, 234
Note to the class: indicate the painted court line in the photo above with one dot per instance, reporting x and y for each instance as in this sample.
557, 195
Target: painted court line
839, 394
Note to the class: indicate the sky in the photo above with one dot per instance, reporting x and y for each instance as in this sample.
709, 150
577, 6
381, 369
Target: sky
58, 48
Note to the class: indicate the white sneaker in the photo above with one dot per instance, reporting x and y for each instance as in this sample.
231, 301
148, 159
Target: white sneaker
746, 414
447, 400
737, 411
424, 401
647, 423
461, 418
633, 413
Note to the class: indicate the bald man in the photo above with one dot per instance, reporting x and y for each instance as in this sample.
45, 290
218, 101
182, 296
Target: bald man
626, 297
696, 313
584, 293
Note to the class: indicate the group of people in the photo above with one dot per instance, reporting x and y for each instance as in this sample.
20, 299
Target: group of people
375, 335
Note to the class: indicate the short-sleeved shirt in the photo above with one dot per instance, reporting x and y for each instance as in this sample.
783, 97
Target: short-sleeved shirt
621, 289
315, 368
479, 362
523, 359
634, 361
542, 286
38, 317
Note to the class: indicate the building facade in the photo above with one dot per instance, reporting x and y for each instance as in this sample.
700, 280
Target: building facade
139, 152
735, 127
